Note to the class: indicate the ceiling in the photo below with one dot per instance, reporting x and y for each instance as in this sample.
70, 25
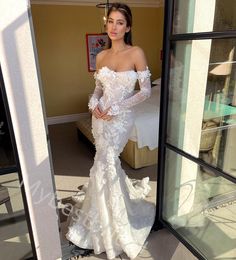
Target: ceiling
139, 3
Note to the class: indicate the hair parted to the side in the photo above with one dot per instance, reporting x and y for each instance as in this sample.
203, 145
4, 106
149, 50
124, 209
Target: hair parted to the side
126, 11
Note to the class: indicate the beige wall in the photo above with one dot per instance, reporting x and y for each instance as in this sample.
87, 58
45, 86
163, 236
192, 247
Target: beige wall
60, 37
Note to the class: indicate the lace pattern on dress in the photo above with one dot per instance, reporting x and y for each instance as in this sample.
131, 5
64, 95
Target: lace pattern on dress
142, 75
144, 93
94, 100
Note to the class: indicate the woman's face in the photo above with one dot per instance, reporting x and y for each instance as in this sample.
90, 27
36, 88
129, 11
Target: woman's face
116, 25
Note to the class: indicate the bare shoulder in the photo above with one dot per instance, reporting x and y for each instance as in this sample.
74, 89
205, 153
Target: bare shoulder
139, 58
102, 53
100, 56
137, 50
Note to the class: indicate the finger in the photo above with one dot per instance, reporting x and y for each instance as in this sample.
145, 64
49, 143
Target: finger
108, 118
96, 111
96, 114
105, 111
99, 113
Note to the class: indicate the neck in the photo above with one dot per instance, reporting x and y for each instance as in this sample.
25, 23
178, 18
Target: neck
118, 46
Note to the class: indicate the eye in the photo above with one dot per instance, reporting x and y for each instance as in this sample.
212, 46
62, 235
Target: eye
120, 23
110, 21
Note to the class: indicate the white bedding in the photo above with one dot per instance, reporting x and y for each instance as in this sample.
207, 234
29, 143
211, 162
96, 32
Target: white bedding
146, 126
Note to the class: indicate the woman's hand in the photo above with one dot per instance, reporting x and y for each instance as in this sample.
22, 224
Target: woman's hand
105, 116
97, 112
101, 114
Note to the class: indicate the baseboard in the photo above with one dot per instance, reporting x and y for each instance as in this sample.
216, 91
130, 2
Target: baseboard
65, 119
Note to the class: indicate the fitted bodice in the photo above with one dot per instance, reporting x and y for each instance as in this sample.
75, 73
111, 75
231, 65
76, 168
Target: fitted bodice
115, 90
116, 86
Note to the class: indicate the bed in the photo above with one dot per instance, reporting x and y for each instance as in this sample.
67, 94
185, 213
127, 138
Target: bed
142, 147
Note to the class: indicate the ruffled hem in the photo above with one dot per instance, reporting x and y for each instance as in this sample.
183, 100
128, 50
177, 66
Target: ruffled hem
89, 237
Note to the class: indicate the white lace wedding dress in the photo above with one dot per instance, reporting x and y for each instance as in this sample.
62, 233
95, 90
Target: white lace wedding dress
114, 216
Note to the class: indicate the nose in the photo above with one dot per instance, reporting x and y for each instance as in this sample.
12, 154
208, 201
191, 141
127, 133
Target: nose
114, 26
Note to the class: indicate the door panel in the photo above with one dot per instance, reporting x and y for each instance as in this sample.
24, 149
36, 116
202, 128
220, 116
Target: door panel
200, 205
202, 101
192, 16
196, 163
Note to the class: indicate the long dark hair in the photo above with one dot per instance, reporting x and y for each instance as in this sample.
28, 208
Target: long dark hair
126, 11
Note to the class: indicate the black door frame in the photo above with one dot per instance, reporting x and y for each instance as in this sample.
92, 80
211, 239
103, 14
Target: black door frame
16, 167
168, 38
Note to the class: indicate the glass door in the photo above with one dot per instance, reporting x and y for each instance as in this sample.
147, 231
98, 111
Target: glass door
16, 239
197, 166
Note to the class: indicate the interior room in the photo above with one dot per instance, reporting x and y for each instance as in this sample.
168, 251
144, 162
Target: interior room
67, 81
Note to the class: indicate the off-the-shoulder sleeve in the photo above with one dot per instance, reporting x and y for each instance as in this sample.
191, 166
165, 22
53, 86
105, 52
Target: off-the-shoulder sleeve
140, 96
96, 94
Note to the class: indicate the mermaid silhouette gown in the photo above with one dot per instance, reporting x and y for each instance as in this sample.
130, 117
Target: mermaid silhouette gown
114, 216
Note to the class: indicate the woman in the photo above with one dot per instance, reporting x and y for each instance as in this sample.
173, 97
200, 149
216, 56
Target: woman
114, 217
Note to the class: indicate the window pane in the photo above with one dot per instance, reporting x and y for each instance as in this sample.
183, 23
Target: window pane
14, 236
204, 16
6, 152
200, 206
202, 101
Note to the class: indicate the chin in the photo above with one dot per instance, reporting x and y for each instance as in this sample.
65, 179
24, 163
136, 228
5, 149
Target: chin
112, 37
115, 38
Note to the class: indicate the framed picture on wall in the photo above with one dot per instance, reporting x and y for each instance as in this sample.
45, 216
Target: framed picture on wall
95, 44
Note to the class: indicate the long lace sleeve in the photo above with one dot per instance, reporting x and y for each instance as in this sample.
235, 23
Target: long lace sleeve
140, 96
96, 94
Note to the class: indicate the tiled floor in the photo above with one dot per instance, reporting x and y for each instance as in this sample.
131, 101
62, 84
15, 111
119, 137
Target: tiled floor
160, 245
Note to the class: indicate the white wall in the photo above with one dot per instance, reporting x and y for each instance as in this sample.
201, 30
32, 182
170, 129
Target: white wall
23, 93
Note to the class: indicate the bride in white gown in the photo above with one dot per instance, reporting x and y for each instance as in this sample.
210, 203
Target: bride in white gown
114, 217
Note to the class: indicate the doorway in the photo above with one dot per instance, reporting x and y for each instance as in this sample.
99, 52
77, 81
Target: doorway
60, 32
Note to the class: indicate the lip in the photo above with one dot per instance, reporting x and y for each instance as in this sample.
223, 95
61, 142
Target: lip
113, 33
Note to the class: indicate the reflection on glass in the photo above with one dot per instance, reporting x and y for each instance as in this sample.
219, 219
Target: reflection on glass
202, 101
218, 145
200, 206
6, 151
14, 236
204, 16
177, 104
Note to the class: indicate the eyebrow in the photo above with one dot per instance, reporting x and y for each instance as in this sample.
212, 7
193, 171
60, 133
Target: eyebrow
120, 20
